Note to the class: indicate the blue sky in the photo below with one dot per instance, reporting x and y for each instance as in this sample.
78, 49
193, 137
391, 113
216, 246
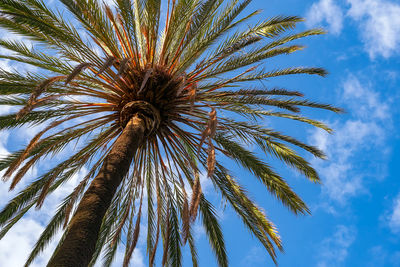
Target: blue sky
356, 213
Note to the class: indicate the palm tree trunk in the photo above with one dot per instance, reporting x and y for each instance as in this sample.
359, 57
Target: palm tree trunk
83, 230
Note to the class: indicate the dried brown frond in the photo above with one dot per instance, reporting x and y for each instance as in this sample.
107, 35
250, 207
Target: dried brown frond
36, 93
109, 62
211, 159
185, 219
196, 196
78, 69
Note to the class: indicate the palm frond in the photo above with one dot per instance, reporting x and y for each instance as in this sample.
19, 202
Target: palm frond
213, 230
187, 76
275, 184
251, 215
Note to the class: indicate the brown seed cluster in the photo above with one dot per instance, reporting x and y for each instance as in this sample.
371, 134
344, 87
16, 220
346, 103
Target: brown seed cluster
155, 86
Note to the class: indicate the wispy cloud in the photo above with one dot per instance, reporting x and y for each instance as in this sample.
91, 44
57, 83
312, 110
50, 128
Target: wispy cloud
363, 101
377, 21
256, 256
16, 244
3, 139
5, 65
364, 130
381, 255
393, 218
109, 2
326, 13
136, 260
379, 24
334, 250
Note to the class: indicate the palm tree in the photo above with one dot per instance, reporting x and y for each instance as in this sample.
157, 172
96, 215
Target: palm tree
158, 98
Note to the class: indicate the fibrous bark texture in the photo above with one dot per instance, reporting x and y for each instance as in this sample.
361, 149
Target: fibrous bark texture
83, 230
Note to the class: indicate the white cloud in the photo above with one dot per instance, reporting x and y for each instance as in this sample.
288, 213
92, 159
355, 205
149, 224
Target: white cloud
334, 250
5, 109
19, 241
326, 12
394, 216
364, 101
14, 247
379, 23
9, 65
339, 178
137, 259
380, 255
3, 140
358, 136
256, 256
5, 65
110, 3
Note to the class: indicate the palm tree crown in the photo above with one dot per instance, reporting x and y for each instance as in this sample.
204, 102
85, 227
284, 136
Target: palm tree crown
188, 76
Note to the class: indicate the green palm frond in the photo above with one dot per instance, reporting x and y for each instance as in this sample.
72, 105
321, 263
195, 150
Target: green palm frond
274, 183
251, 215
213, 231
35, 58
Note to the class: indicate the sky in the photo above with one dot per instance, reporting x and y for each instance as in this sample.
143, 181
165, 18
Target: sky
355, 217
